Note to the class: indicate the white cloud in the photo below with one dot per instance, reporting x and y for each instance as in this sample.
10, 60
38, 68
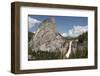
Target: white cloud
77, 30
32, 22
64, 34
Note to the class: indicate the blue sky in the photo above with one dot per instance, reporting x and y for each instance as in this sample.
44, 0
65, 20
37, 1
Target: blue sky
64, 23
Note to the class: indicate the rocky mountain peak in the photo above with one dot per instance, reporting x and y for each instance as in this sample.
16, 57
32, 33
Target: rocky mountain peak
50, 20
46, 38
48, 24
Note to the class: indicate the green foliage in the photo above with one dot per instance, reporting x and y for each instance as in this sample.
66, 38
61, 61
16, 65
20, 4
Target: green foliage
79, 54
30, 35
83, 37
45, 55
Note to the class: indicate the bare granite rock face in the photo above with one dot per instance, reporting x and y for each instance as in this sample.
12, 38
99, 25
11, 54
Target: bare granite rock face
48, 39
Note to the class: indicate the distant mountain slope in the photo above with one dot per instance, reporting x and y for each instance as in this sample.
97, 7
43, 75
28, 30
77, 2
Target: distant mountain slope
80, 47
30, 35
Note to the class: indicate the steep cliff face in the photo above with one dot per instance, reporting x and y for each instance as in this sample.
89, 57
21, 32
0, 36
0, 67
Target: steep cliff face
47, 39
79, 48
44, 35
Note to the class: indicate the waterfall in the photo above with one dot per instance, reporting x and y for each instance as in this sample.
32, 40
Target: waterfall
69, 50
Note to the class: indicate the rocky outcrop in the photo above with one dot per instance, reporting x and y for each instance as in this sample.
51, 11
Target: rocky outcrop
48, 39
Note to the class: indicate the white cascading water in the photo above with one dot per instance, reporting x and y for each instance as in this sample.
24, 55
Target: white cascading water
69, 50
